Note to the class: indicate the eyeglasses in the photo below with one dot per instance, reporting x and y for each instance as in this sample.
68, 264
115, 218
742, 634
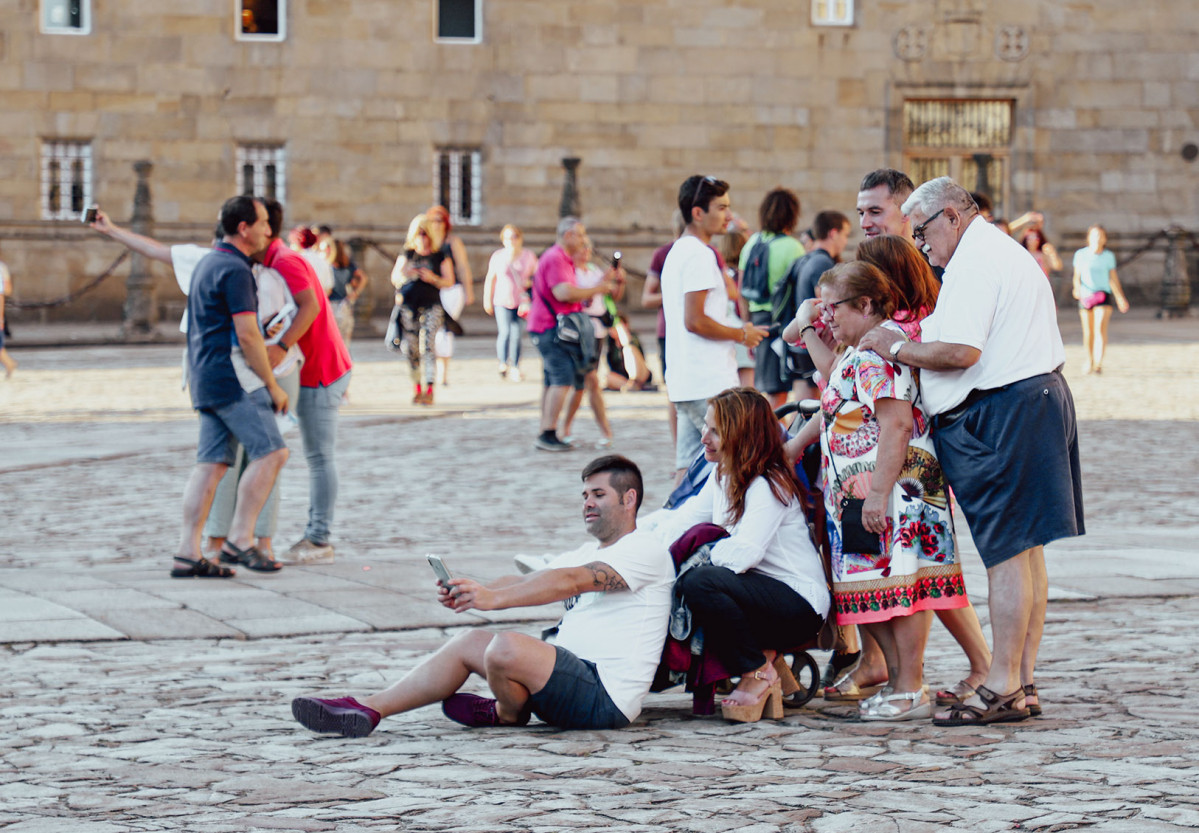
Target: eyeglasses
918, 232
699, 186
832, 305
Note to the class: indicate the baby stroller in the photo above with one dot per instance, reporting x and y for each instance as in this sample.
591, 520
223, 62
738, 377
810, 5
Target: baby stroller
701, 673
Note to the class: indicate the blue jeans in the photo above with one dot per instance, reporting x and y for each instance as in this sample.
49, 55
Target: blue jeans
507, 343
318, 427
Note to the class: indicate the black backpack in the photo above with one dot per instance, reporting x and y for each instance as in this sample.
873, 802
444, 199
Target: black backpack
755, 280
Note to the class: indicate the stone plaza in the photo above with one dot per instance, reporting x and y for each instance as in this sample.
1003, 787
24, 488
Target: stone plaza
138, 703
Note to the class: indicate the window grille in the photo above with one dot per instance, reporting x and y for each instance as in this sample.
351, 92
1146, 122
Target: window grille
261, 20
457, 184
66, 17
967, 139
832, 12
458, 21
261, 171
66, 179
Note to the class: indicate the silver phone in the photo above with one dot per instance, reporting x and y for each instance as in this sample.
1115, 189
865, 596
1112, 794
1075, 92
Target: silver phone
442, 572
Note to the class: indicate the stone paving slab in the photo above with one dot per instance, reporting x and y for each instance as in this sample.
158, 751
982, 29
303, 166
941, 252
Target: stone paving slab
196, 735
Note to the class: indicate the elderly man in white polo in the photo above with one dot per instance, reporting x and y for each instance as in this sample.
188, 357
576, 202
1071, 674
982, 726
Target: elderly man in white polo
1003, 424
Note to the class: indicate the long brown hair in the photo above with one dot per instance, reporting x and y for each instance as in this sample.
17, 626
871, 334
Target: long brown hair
751, 445
913, 280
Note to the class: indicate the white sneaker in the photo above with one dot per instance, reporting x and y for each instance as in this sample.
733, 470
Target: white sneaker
531, 563
514, 375
304, 553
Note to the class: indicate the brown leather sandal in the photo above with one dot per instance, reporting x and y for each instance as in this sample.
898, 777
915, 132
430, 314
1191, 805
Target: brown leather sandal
997, 709
1034, 709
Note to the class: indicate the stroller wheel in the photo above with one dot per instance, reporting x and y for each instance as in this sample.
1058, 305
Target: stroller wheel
807, 674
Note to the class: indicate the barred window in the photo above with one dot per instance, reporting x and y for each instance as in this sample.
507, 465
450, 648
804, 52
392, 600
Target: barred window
261, 171
832, 12
458, 21
457, 184
66, 179
66, 17
967, 139
261, 20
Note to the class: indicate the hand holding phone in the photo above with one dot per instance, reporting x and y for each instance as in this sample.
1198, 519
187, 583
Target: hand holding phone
89, 216
442, 572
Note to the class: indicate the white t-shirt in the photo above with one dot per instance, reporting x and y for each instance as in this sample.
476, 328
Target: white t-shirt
696, 367
587, 276
621, 632
771, 538
274, 303
322, 267
994, 297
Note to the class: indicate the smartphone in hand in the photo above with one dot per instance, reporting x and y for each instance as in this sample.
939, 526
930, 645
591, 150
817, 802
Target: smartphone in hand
89, 216
442, 572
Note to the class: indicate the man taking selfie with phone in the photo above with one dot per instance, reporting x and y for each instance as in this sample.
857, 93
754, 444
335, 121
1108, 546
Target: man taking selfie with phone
592, 674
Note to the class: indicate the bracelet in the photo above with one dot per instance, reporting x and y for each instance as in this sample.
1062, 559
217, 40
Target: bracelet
803, 330
744, 336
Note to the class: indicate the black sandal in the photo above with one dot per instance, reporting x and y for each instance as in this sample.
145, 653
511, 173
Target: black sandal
202, 568
250, 557
997, 710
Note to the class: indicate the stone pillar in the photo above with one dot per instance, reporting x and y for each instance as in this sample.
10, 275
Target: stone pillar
1176, 285
569, 207
141, 308
365, 306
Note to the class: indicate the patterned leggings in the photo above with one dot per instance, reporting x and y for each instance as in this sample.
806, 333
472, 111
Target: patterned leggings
420, 328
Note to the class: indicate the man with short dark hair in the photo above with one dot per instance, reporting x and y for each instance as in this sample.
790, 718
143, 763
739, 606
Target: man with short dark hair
1003, 423
695, 303
830, 232
599, 665
880, 197
222, 304
556, 293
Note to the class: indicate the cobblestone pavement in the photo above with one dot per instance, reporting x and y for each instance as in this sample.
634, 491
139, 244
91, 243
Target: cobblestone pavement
138, 703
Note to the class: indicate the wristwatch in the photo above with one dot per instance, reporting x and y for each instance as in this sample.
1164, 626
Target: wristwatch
894, 349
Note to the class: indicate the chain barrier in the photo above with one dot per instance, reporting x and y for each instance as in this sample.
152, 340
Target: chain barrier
71, 296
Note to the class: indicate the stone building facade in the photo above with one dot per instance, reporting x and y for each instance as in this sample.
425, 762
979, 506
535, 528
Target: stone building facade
362, 113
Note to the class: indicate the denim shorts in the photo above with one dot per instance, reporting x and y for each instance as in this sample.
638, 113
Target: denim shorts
574, 697
559, 368
249, 420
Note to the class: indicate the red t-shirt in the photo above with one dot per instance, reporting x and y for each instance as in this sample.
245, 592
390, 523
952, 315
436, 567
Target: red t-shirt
326, 358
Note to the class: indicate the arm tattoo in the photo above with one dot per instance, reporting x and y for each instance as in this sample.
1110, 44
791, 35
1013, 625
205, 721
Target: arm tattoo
604, 578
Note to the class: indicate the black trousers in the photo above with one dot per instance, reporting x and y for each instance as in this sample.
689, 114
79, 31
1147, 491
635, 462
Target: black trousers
743, 614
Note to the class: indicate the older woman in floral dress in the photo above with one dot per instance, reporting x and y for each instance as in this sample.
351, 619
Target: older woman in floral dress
878, 459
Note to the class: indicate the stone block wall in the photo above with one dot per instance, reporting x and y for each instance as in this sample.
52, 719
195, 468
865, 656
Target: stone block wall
645, 93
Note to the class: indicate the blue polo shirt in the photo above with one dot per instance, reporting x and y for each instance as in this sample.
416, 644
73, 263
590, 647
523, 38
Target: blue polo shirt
222, 286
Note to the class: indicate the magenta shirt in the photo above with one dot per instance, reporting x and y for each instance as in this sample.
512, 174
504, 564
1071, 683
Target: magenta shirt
554, 267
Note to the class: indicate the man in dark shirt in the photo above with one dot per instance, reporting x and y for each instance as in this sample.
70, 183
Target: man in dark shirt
831, 231
222, 309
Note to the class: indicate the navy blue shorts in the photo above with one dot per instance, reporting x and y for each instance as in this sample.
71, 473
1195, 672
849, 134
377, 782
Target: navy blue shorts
249, 420
1012, 460
559, 368
574, 697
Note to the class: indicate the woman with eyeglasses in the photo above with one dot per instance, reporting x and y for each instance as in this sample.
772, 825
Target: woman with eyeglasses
420, 274
894, 556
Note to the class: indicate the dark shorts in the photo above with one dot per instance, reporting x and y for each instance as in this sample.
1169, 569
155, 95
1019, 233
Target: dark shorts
1012, 460
574, 697
249, 420
558, 365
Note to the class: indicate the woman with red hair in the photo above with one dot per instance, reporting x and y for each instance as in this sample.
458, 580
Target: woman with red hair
458, 295
765, 590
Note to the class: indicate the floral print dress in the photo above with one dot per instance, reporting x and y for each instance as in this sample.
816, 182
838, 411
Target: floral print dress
918, 567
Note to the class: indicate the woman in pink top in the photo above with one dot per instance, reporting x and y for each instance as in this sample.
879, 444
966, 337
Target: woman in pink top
506, 296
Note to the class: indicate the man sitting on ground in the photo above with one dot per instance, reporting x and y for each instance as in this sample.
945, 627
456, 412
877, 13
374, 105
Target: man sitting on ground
600, 663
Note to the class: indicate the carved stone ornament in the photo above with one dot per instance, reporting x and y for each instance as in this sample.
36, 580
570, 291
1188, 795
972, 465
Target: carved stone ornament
1011, 43
911, 43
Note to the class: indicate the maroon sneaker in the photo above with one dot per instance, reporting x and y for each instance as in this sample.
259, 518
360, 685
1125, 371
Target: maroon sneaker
474, 711
343, 716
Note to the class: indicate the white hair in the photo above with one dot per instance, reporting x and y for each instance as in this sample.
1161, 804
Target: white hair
566, 224
937, 194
